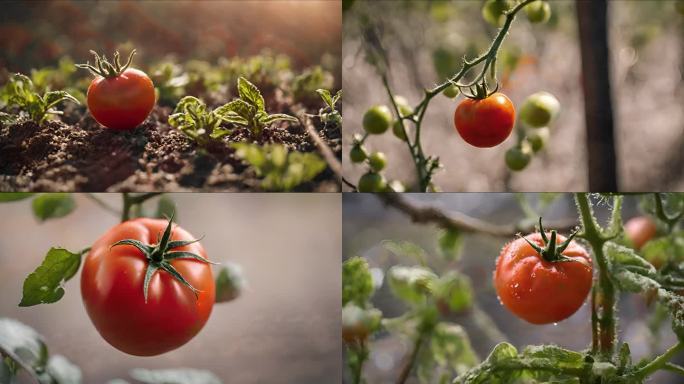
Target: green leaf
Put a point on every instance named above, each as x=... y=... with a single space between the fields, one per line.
x=449 y=244
x=250 y=93
x=230 y=282
x=455 y=289
x=357 y=282
x=186 y=102
x=53 y=205
x=63 y=371
x=449 y=353
x=411 y=284
x=44 y=285
x=166 y=208
x=23 y=344
x=14 y=196
x=406 y=249
x=236 y=111
x=277 y=117
x=53 y=97
x=327 y=98
x=175 y=376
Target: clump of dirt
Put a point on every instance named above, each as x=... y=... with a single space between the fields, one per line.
x=78 y=154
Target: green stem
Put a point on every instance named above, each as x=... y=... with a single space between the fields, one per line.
x=671 y=221
x=604 y=299
x=674 y=368
x=423 y=334
x=356 y=366
x=489 y=58
x=103 y=204
x=660 y=361
x=132 y=201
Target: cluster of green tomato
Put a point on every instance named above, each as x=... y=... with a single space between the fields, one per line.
x=376 y=121
x=537 y=113
x=494 y=11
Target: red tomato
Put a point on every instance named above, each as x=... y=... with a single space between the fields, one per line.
x=113 y=291
x=640 y=230
x=121 y=102
x=487 y=122
x=538 y=290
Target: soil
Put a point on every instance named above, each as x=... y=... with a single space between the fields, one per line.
x=78 y=154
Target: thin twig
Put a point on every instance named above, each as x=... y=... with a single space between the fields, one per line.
x=350 y=184
x=103 y=204
x=411 y=360
x=431 y=215
x=325 y=150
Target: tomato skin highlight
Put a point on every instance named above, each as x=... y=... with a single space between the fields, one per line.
x=121 y=102
x=487 y=122
x=112 y=291
x=539 y=291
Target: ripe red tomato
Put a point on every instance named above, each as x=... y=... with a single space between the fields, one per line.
x=112 y=286
x=538 y=290
x=640 y=230
x=121 y=102
x=487 y=122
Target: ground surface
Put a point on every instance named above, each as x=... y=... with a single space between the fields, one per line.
x=284 y=329
x=81 y=155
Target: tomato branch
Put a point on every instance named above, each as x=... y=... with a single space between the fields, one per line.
x=661 y=362
x=671 y=221
x=132 y=201
x=457 y=220
x=421 y=338
x=103 y=204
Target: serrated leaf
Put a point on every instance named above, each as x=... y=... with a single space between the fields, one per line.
x=175 y=376
x=186 y=102
x=53 y=97
x=357 y=282
x=236 y=108
x=52 y=205
x=45 y=284
x=14 y=196
x=23 y=344
x=60 y=369
x=250 y=93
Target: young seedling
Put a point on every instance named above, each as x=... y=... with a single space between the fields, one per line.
x=328 y=114
x=280 y=169
x=249 y=110
x=193 y=118
x=21 y=92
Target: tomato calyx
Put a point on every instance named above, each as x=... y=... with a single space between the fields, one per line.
x=479 y=92
x=159 y=256
x=104 y=68
x=551 y=251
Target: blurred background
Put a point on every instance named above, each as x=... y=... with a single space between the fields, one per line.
x=39 y=33
x=367 y=221
x=284 y=328
x=425 y=41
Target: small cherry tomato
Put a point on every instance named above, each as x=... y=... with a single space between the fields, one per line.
x=398 y=131
x=517 y=158
x=372 y=182
x=358 y=153
x=377 y=161
x=451 y=91
x=377 y=119
x=538 y=138
x=493 y=11
x=539 y=109
x=538 y=11
x=640 y=230
x=119 y=97
x=486 y=122
x=543 y=280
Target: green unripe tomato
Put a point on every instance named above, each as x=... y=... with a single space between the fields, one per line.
x=493 y=11
x=538 y=11
x=517 y=158
x=398 y=131
x=377 y=161
x=377 y=119
x=358 y=153
x=538 y=138
x=539 y=109
x=403 y=106
x=451 y=91
x=372 y=182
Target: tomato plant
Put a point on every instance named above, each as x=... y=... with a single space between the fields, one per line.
x=484 y=118
x=133 y=279
x=541 y=278
x=487 y=122
x=119 y=97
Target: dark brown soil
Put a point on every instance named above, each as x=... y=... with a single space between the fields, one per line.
x=77 y=154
